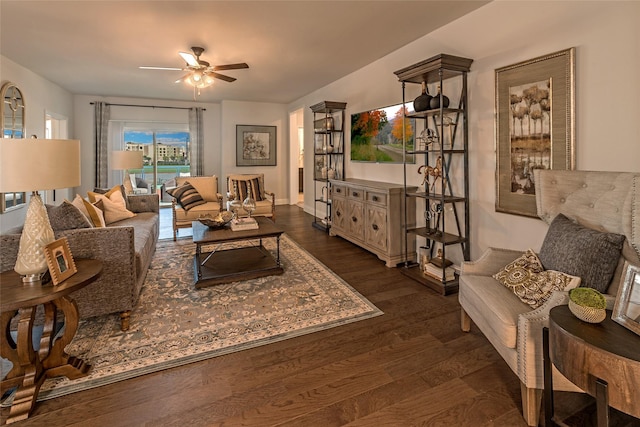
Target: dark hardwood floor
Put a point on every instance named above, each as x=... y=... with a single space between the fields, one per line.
x=410 y=367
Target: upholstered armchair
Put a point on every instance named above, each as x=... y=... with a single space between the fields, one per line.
x=608 y=202
x=237 y=187
x=209 y=203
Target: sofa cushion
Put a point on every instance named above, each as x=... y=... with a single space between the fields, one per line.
x=109 y=191
x=183 y=215
x=528 y=280
x=481 y=292
x=145 y=226
x=66 y=216
x=579 y=251
x=96 y=215
x=114 y=208
x=187 y=196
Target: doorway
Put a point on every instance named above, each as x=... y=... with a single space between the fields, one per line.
x=296 y=161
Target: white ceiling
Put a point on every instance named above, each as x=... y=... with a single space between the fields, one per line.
x=292 y=47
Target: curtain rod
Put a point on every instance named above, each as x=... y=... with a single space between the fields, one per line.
x=149 y=106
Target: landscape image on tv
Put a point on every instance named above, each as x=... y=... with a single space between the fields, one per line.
x=376 y=135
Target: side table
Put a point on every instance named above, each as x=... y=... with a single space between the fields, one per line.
x=603 y=359
x=31 y=367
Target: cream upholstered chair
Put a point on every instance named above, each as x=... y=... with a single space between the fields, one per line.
x=237 y=185
x=207 y=188
x=602 y=201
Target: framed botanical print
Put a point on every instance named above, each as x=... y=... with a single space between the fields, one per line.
x=256 y=145
x=535 y=126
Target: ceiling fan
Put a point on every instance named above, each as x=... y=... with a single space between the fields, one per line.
x=200 y=74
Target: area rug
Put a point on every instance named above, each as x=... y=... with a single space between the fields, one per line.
x=175 y=324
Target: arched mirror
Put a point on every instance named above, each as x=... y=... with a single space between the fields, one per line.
x=12 y=118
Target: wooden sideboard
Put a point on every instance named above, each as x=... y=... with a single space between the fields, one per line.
x=371 y=215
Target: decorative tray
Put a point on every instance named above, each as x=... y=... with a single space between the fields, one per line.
x=218 y=221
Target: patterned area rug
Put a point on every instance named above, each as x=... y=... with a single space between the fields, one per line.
x=175 y=324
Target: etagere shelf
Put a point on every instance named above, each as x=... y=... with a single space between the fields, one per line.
x=441 y=152
x=328 y=157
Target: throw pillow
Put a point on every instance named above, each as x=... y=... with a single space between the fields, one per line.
x=187 y=196
x=109 y=191
x=66 y=217
x=528 y=280
x=78 y=202
x=579 y=251
x=241 y=187
x=95 y=212
x=113 y=208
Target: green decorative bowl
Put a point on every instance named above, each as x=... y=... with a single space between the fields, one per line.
x=587 y=305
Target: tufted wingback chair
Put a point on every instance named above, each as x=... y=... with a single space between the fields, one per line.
x=605 y=201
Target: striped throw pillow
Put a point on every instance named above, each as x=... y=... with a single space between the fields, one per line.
x=187 y=196
x=256 y=189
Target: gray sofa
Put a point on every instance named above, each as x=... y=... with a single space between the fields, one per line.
x=125 y=248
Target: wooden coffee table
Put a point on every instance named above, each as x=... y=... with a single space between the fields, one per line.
x=229 y=265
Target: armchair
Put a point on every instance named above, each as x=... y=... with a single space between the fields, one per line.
x=265 y=200
x=604 y=201
x=207 y=187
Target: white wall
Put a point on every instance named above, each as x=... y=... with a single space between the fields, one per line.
x=607 y=41
x=40 y=96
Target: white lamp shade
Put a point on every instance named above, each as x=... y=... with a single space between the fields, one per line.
x=39 y=164
x=125 y=160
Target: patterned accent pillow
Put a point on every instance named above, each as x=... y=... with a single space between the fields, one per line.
x=240 y=186
x=573 y=249
x=187 y=196
x=527 y=278
x=66 y=217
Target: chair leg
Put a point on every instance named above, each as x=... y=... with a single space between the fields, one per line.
x=531 y=403
x=465 y=321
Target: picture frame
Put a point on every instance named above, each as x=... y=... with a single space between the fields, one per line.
x=535 y=126
x=256 y=145
x=60 y=261
x=626 y=310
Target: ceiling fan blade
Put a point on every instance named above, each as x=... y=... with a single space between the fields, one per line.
x=230 y=66
x=160 y=68
x=222 y=77
x=189 y=59
x=183 y=78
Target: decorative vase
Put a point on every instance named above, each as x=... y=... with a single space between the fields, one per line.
x=249 y=204
x=421 y=103
x=331 y=173
x=435 y=101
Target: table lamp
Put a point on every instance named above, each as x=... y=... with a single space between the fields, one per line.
x=126 y=160
x=32 y=165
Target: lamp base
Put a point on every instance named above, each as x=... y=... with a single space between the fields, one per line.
x=36 y=234
x=32 y=278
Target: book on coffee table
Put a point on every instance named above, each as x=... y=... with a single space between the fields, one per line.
x=241 y=224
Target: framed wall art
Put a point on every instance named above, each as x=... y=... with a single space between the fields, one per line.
x=60 y=261
x=256 y=145
x=535 y=126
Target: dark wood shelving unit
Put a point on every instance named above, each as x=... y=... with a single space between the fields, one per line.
x=448 y=224
x=328 y=157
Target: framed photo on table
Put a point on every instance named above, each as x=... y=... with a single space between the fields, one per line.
x=60 y=261
x=626 y=310
x=256 y=145
x=535 y=126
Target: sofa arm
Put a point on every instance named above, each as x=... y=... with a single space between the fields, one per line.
x=144 y=203
x=492 y=261
x=9 y=244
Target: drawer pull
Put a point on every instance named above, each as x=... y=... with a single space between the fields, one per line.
x=355 y=194
x=338 y=190
x=354 y=219
x=374 y=198
x=375 y=227
x=338 y=213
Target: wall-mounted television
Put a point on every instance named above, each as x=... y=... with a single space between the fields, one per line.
x=376 y=135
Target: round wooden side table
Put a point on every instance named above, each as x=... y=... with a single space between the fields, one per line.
x=603 y=359
x=31 y=367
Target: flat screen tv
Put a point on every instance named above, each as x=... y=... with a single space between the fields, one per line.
x=376 y=135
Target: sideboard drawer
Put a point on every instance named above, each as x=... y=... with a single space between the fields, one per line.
x=379 y=199
x=355 y=193
x=338 y=190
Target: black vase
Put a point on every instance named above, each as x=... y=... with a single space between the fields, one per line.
x=435 y=101
x=422 y=102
